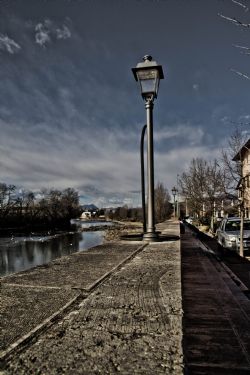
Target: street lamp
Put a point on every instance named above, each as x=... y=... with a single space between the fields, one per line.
x=148 y=73
x=177 y=198
x=174 y=192
x=241 y=188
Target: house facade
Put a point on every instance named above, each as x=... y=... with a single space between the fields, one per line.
x=243 y=156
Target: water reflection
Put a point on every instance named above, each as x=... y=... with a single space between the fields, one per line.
x=91 y=223
x=20 y=253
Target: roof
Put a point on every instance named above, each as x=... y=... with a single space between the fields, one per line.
x=233 y=218
x=242 y=151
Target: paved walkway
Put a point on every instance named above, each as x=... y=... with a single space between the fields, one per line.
x=128 y=322
x=216 y=324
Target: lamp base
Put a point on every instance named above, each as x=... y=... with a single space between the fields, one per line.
x=150 y=237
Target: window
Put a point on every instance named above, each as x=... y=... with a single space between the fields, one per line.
x=246 y=225
x=247 y=157
x=232 y=226
x=247 y=213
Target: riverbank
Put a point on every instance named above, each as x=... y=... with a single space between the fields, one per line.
x=20 y=252
x=115 y=229
x=123 y=228
x=35 y=228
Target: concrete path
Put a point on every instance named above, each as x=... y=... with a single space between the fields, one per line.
x=126 y=321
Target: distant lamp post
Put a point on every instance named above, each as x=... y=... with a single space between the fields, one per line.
x=177 y=197
x=174 y=192
x=241 y=199
x=148 y=73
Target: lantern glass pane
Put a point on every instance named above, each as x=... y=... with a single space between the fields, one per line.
x=147 y=86
x=147 y=74
x=149 y=81
x=157 y=86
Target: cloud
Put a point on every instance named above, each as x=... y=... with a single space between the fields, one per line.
x=44 y=155
x=42 y=35
x=109 y=199
x=225 y=119
x=99 y=162
x=47 y=31
x=63 y=33
x=9 y=45
x=53 y=141
x=244 y=117
x=175 y=162
x=193 y=135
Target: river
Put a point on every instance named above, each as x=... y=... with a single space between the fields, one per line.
x=18 y=253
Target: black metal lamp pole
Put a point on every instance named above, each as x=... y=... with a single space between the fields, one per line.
x=148 y=73
x=174 y=192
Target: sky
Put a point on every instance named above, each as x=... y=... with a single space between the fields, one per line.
x=71 y=112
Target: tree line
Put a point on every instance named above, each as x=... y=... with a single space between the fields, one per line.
x=53 y=209
x=163 y=208
x=210 y=186
x=23 y=209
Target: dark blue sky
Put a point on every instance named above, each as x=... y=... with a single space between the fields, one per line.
x=71 y=113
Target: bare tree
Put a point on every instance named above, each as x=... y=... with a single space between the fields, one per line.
x=243 y=25
x=7 y=199
x=162 y=204
x=202 y=184
x=233 y=169
x=59 y=205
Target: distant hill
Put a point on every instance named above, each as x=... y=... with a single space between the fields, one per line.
x=89 y=207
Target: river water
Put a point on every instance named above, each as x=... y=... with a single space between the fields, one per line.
x=18 y=253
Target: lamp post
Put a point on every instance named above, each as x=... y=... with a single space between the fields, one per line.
x=186 y=208
x=148 y=73
x=177 y=198
x=174 y=192
x=242 y=214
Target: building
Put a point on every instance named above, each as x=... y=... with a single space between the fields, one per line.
x=86 y=215
x=243 y=157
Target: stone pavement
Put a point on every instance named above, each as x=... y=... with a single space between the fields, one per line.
x=127 y=320
x=30 y=297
